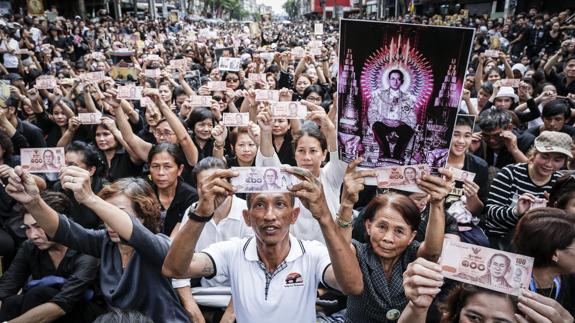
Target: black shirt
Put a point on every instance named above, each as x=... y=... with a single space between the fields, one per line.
x=504 y=157
x=185 y=196
x=79 y=270
x=286 y=153
x=33 y=134
x=122 y=166
x=536 y=131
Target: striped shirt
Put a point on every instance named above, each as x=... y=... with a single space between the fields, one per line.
x=510 y=183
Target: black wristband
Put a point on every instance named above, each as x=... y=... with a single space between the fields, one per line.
x=197 y=218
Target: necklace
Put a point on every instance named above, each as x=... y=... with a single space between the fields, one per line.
x=555 y=287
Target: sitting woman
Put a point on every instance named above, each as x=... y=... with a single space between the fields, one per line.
x=166 y=162
x=469 y=303
x=517 y=186
x=554 y=267
x=130 y=250
x=391 y=222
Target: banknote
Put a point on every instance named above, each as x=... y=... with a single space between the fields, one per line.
x=129 y=92
x=217 y=85
x=539 y=202
x=267 y=95
x=229 y=63
x=493 y=53
x=318 y=28
x=93 y=76
x=459 y=174
x=146 y=102
x=400 y=176
x=45 y=82
x=42 y=160
x=236 y=119
x=510 y=82
x=289 y=110
x=201 y=101
x=153 y=73
x=179 y=63
x=485 y=267
x=298 y=52
x=257 y=77
x=262 y=179
x=90 y=118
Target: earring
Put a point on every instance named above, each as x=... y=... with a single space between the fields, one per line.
x=555 y=259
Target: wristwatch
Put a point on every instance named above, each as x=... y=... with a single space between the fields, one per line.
x=193 y=216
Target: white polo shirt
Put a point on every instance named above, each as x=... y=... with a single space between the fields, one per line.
x=287 y=294
x=232 y=226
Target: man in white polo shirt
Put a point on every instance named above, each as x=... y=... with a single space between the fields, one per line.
x=273 y=275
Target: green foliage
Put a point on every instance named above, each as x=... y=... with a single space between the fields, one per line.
x=291 y=7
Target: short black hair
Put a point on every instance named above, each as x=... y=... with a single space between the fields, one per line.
x=556 y=107
x=396 y=71
x=250 y=196
x=490 y=119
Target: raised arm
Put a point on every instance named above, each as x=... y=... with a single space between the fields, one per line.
x=73 y=125
x=344 y=272
x=437 y=188
x=140 y=147
x=181 y=261
x=184 y=139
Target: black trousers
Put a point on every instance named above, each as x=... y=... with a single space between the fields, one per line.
x=403 y=131
x=17 y=305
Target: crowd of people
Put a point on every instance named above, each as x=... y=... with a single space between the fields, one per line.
x=143 y=211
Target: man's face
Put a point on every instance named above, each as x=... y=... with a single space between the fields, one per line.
x=270 y=177
x=498 y=267
x=395 y=81
x=36 y=234
x=570 y=68
x=469 y=82
x=554 y=123
x=493 y=138
x=270 y=216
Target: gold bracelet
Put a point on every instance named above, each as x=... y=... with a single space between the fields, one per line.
x=342 y=223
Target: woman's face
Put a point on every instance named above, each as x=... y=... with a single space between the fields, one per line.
x=280 y=127
x=493 y=77
x=389 y=234
x=312 y=74
x=59 y=117
x=203 y=129
x=105 y=139
x=302 y=83
x=125 y=204
x=164 y=133
x=165 y=93
x=232 y=81
x=487 y=307
x=314 y=98
x=461 y=140
x=550 y=88
x=164 y=170
x=152 y=116
x=245 y=149
x=566 y=258
x=271 y=82
x=545 y=164
x=215 y=74
x=309 y=154
x=74 y=158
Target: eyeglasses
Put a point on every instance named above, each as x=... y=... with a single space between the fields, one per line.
x=164 y=134
x=232 y=79
x=217 y=98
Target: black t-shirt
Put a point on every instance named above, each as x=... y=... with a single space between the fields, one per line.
x=286 y=153
x=536 y=131
x=185 y=196
x=566 y=295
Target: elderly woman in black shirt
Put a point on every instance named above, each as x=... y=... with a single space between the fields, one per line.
x=391 y=222
x=130 y=250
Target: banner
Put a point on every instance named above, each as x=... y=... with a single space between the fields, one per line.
x=399 y=90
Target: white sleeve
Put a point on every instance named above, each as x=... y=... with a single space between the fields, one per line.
x=273 y=161
x=320 y=257
x=221 y=253
x=179 y=283
x=334 y=170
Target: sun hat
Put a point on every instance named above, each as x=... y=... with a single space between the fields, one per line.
x=554 y=142
x=507 y=91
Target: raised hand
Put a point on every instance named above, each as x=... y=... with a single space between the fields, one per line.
x=309 y=191
x=21 y=186
x=77 y=180
x=216 y=185
x=437 y=187
x=353 y=183
x=422 y=281
x=540 y=309
x=264 y=117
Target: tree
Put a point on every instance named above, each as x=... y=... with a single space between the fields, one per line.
x=291 y=7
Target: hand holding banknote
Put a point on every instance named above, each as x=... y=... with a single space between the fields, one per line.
x=78 y=181
x=437 y=187
x=353 y=183
x=22 y=187
x=213 y=190
x=309 y=191
x=541 y=309
x=422 y=280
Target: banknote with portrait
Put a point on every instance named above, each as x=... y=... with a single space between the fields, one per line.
x=46 y=82
x=89 y=118
x=129 y=92
x=262 y=179
x=241 y=119
x=459 y=174
x=485 y=267
x=401 y=177
x=217 y=86
x=201 y=101
x=510 y=82
x=289 y=110
x=229 y=64
x=42 y=160
x=267 y=95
